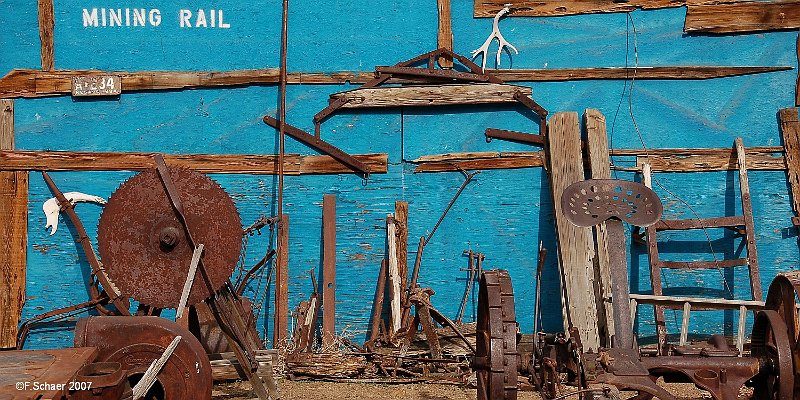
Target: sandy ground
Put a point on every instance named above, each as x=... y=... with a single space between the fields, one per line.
x=296 y=390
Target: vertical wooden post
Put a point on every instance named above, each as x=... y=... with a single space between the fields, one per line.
x=394 y=273
x=401 y=221
x=790 y=132
x=747 y=213
x=575 y=245
x=797 y=83
x=600 y=168
x=328 y=269
x=13 y=235
x=281 y=322
x=445 y=39
x=46 y=29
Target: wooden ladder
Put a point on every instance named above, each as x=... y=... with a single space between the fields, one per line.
x=743 y=224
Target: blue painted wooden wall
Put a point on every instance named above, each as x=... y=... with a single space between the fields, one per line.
x=502 y=213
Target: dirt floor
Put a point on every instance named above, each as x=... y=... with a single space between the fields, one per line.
x=296 y=390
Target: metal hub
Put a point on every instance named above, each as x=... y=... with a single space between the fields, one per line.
x=496 y=338
x=143 y=244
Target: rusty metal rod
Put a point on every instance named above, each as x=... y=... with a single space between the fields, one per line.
x=247 y=276
x=377 y=303
x=469 y=177
x=120 y=302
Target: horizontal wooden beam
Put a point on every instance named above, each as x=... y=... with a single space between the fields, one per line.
x=35 y=83
x=621 y=73
x=738 y=17
x=765 y=158
x=435 y=95
x=479 y=160
x=550 y=8
x=255 y=164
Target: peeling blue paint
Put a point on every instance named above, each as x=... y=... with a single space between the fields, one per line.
x=502 y=213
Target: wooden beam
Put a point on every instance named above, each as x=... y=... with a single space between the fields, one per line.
x=480 y=160
x=46 y=29
x=256 y=164
x=439 y=95
x=280 y=323
x=765 y=158
x=550 y=8
x=13 y=235
x=328 y=269
x=600 y=168
x=790 y=132
x=575 y=244
x=717 y=162
x=445 y=36
x=35 y=83
x=393 y=274
x=797 y=82
x=624 y=73
x=738 y=17
x=401 y=221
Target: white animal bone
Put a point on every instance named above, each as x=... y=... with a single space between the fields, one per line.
x=500 y=40
x=51 y=207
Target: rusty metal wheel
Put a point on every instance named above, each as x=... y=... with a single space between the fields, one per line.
x=496 y=338
x=782 y=297
x=770 y=343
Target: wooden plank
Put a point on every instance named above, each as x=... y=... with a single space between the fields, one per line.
x=790 y=132
x=445 y=35
x=737 y=17
x=13 y=235
x=698 y=223
x=733 y=262
x=256 y=164
x=575 y=244
x=225 y=366
x=549 y=8
x=695 y=163
x=328 y=269
x=600 y=168
x=35 y=83
x=401 y=221
x=377 y=303
x=765 y=158
x=46 y=28
x=328 y=165
x=439 y=95
x=480 y=160
x=687 y=310
x=626 y=73
x=747 y=211
x=698 y=302
x=393 y=274
x=281 y=319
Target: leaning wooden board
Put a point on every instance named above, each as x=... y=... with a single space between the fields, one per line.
x=575 y=244
x=24 y=372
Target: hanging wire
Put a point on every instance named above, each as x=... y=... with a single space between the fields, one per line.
x=632 y=25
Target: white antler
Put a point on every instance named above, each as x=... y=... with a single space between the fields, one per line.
x=500 y=39
x=51 y=207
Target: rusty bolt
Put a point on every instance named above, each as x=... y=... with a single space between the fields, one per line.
x=168 y=238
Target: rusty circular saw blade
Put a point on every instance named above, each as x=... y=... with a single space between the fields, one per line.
x=144 y=247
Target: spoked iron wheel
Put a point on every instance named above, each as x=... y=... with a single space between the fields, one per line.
x=783 y=297
x=496 y=338
x=770 y=344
